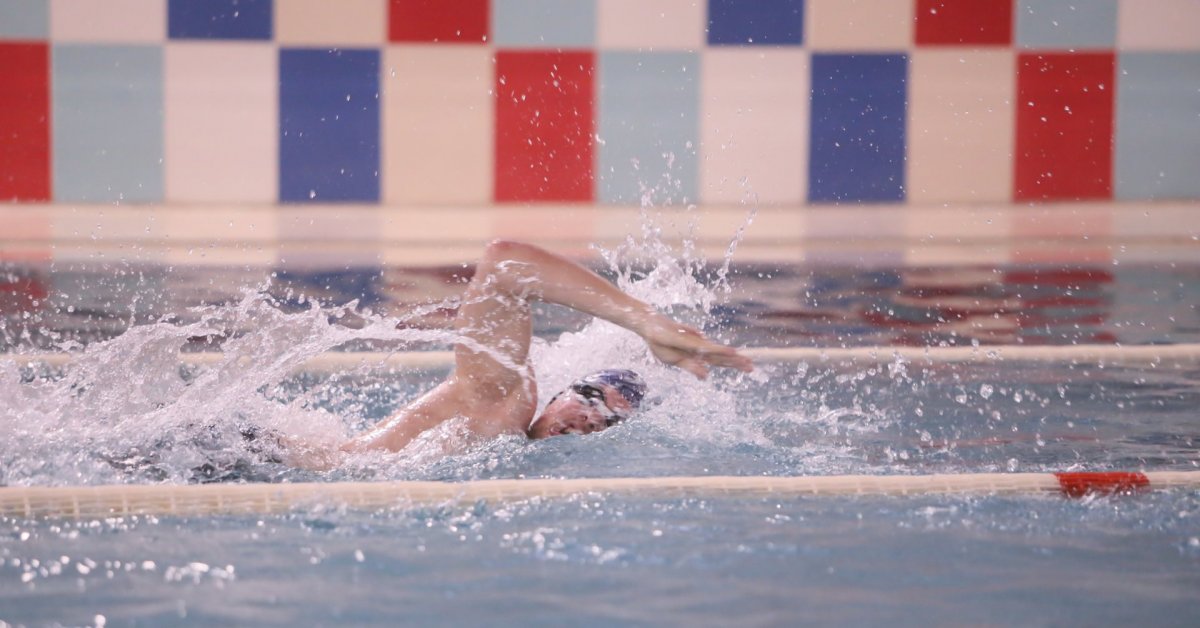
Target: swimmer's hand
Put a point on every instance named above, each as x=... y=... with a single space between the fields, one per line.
x=686 y=348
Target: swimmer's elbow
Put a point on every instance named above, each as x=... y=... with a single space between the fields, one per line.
x=499 y=251
x=509 y=265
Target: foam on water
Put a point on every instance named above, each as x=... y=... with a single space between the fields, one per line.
x=125 y=411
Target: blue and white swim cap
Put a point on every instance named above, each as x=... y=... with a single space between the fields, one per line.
x=629 y=383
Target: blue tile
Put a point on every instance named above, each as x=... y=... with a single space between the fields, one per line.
x=858 y=119
x=219 y=19
x=328 y=125
x=1066 y=24
x=756 y=22
x=294 y=288
x=544 y=23
x=108 y=123
x=24 y=19
x=1158 y=126
x=648 y=122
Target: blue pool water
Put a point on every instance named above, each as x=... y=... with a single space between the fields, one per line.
x=125 y=412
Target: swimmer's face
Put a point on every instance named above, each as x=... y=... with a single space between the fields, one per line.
x=572 y=414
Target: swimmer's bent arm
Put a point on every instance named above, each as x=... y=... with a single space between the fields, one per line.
x=525 y=271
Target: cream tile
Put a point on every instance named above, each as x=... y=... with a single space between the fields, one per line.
x=109 y=21
x=956 y=224
x=222 y=122
x=239 y=255
x=961 y=126
x=1058 y=253
x=424 y=224
x=1084 y=220
x=329 y=223
x=1168 y=221
x=1157 y=253
x=26 y=222
x=437 y=124
x=651 y=24
x=943 y=254
x=859 y=24
x=27 y=253
x=547 y=222
x=1158 y=25
x=430 y=254
x=753 y=118
x=849 y=222
x=103 y=224
x=320 y=22
x=222 y=225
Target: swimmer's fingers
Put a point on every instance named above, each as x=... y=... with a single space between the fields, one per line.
x=695 y=367
x=727 y=357
x=687 y=348
x=714 y=353
x=680 y=358
x=724 y=357
x=697 y=359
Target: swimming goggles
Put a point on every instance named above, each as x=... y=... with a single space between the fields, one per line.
x=593 y=396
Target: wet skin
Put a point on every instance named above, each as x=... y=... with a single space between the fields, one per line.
x=567 y=414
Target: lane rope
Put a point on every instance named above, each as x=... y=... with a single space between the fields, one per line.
x=96 y=502
x=1115 y=355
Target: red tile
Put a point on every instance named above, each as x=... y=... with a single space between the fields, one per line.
x=544 y=126
x=460 y=21
x=1064 y=147
x=25 y=122
x=964 y=22
x=21 y=292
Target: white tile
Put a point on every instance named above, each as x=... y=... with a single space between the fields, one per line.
x=651 y=24
x=437 y=124
x=1163 y=221
x=109 y=21
x=859 y=24
x=1083 y=221
x=222 y=122
x=433 y=224
x=1158 y=25
x=957 y=224
x=754 y=126
x=961 y=125
x=215 y=224
x=854 y=222
x=320 y=22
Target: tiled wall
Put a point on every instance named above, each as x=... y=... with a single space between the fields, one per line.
x=610 y=102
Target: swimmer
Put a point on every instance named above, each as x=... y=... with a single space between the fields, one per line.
x=492 y=387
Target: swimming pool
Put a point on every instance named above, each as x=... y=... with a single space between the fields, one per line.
x=125 y=411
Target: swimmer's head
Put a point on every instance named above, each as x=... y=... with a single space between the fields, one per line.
x=591 y=403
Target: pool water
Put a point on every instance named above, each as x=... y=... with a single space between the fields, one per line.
x=596 y=561
x=126 y=412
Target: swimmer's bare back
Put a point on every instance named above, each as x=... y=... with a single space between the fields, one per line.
x=492 y=389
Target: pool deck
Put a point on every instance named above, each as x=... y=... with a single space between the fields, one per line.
x=353 y=235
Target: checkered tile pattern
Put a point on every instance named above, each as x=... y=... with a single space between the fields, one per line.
x=609 y=102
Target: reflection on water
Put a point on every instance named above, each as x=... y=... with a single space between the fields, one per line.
x=963 y=305
x=43 y=306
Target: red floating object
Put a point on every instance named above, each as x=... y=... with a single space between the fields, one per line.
x=1081 y=484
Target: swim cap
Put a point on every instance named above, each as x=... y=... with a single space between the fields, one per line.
x=629 y=383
